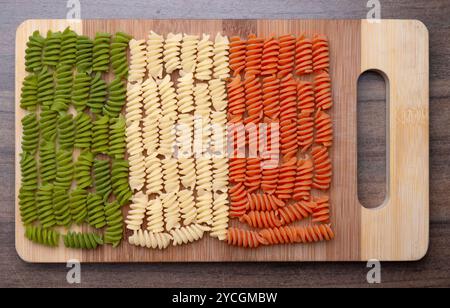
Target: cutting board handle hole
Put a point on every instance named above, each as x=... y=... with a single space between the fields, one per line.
x=372 y=130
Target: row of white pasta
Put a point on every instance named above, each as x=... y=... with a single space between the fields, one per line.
x=191 y=193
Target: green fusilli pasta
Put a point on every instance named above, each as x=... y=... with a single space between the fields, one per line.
x=102 y=178
x=28 y=97
x=117 y=138
x=64 y=170
x=66 y=131
x=33 y=53
x=30 y=135
x=46 y=89
x=78 y=205
x=27 y=206
x=100 y=136
x=47 y=160
x=114 y=228
x=101 y=52
x=63 y=88
x=83 y=131
x=82 y=240
x=119 y=179
x=52 y=49
x=119 y=59
x=48 y=123
x=29 y=171
x=61 y=207
x=84 y=54
x=27 y=192
x=97 y=94
x=80 y=91
x=68 y=47
x=96 y=211
x=83 y=169
x=116 y=98
x=42 y=236
x=44 y=202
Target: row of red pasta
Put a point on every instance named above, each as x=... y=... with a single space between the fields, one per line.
x=279 y=56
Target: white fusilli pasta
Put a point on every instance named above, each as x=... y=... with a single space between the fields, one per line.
x=187 y=173
x=155 y=47
x=189 y=53
x=167 y=138
x=204 y=59
x=136 y=214
x=170 y=175
x=219 y=134
x=221 y=57
x=220 y=216
x=150 y=240
x=204 y=174
x=187 y=206
x=136 y=158
x=172 y=49
x=218 y=92
x=202 y=127
x=185 y=93
x=134 y=103
x=220 y=175
x=154 y=173
x=155 y=216
x=204 y=207
x=172 y=216
x=152 y=114
x=188 y=234
x=168 y=97
x=138 y=60
x=185 y=135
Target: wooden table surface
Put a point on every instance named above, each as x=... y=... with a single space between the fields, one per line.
x=433 y=270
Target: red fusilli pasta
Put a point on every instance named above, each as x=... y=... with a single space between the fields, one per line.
x=286 y=60
x=303 y=180
x=237 y=55
x=271 y=97
x=322 y=89
x=258 y=219
x=237 y=168
x=305 y=131
x=304 y=56
x=296 y=212
x=239 y=201
x=324 y=128
x=244 y=238
x=253 y=55
x=322 y=168
x=306 y=99
x=253 y=175
x=264 y=202
x=271 y=52
x=253 y=98
x=322 y=210
x=286 y=182
x=321 y=53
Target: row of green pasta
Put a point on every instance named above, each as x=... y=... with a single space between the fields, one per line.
x=73 y=165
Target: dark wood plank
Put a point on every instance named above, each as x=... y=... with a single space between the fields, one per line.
x=434 y=270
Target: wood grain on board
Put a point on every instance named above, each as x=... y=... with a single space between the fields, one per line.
x=358 y=236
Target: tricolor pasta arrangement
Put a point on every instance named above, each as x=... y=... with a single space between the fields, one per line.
x=73 y=167
x=193 y=135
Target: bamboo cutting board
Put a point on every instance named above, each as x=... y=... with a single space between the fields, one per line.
x=397 y=231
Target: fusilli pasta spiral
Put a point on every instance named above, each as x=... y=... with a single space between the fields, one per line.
x=189 y=234
x=155 y=47
x=172 y=217
x=189 y=53
x=204 y=207
x=150 y=240
x=220 y=221
x=155 y=216
x=137 y=211
x=33 y=52
x=221 y=57
x=138 y=60
x=154 y=173
x=78 y=240
x=43 y=236
x=204 y=59
x=83 y=131
x=172 y=49
x=187 y=206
